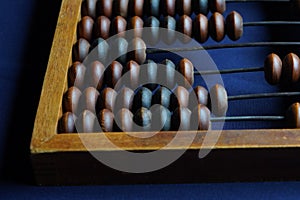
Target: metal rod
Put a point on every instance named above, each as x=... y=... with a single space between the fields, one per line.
x=267 y=23
x=227 y=71
x=263 y=95
x=247 y=118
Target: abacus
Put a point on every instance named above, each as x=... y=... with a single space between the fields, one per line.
x=79 y=92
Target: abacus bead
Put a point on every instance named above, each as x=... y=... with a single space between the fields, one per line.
x=81 y=50
x=101 y=48
x=169 y=7
x=168 y=73
x=133 y=68
x=169 y=35
x=102 y=27
x=86 y=122
x=124 y=120
x=76 y=74
x=202 y=114
x=219 y=102
x=137 y=49
x=179 y=98
x=119 y=25
x=186 y=27
x=104 y=7
x=149 y=74
x=67 y=123
x=119 y=53
x=186 y=68
x=201 y=95
x=234 y=25
x=124 y=99
x=136 y=7
x=181 y=119
x=106 y=120
x=85 y=28
x=89 y=99
x=293 y=116
x=108 y=99
x=162 y=97
x=217 y=6
x=200 y=6
x=96 y=74
x=184 y=7
x=161 y=119
x=71 y=99
x=152 y=33
x=152 y=7
x=142 y=98
x=89 y=8
x=114 y=73
x=137 y=24
x=121 y=7
x=291 y=68
x=143 y=118
x=273 y=69
x=201 y=28
x=217 y=27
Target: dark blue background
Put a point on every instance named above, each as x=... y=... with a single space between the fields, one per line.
x=26 y=33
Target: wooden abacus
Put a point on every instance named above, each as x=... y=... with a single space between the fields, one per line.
x=58 y=153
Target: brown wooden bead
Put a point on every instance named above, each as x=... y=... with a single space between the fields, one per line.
x=168 y=7
x=142 y=98
x=293 y=116
x=217 y=27
x=202 y=115
x=234 y=26
x=108 y=99
x=291 y=68
x=102 y=27
x=67 y=123
x=217 y=6
x=273 y=69
x=153 y=32
x=137 y=24
x=200 y=6
x=152 y=7
x=184 y=7
x=121 y=7
x=142 y=119
x=86 y=122
x=71 y=99
x=148 y=73
x=100 y=49
x=179 y=98
x=186 y=68
x=96 y=74
x=185 y=26
x=169 y=36
x=104 y=7
x=219 y=100
x=119 y=53
x=89 y=99
x=106 y=120
x=181 y=119
x=201 y=94
x=124 y=99
x=114 y=73
x=201 y=28
x=81 y=50
x=89 y=8
x=136 y=7
x=137 y=50
x=119 y=25
x=76 y=74
x=133 y=70
x=162 y=97
x=124 y=120
x=85 y=28
x=161 y=120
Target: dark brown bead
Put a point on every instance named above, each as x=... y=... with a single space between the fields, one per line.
x=169 y=36
x=142 y=119
x=168 y=7
x=137 y=24
x=217 y=27
x=137 y=50
x=76 y=74
x=273 y=68
x=142 y=98
x=89 y=8
x=217 y=6
x=124 y=99
x=234 y=26
x=200 y=6
x=89 y=99
x=104 y=7
x=85 y=28
x=201 y=28
x=153 y=32
x=201 y=95
x=124 y=120
x=202 y=114
x=185 y=26
x=291 y=68
x=162 y=97
x=119 y=25
x=179 y=98
x=106 y=120
x=86 y=122
x=293 y=116
x=181 y=119
x=100 y=50
x=67 y=123
x=108 y=99
x=219 y=100
x=152 y=7
x=114 y=73
x=121 y=7
x=167 y=73
x=148 y=74
x=184 y=7
x=161 y=120
x=71 y=99
x=81 y=50
x=186 y=68
x=119 y=53
x=96 y=74
x=133 y=70
x=136 y=7
x=102 y=27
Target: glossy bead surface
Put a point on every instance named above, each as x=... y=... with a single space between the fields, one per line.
x=219 y=100
x=106 y=120
x=121 y=7
x=100 y=49
x=293 y=116
x=81 y=50
x=107 y=99
x=89 y=99
x=169 y=35
x=234 y=26
x=184 y=7
x=71 y=99
x=142 y=119
x=86 y=122
x=185 y=26
x=124 y=99
x=95 y=74
x=201 y=28
x=152 y=33
x=179 y=98
x=201 y=94
x=67 y=123
x=200 y=6
x=119 y=53
x=273 y=69
x=162 y=97
x=113 y=73
x=137 y=48
x=181 y=119
x=149 y=74
x=136 y=7
x=217 y=6
x=104 y=7
x=85 y=28
x=102 y=27
x=167 y=73
x=88 y=8
x=133 y=77
x=186 y=68
x=142 y=98
x=202 y=115
x=152 y=7
x=291 y=68
x=137 y=24
x=76 y=74
x=161 y=120
x=168 y=7
x=124 y=120
x=119 y=25
x=217 y=27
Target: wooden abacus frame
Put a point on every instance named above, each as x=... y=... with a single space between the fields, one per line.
x=63 y=159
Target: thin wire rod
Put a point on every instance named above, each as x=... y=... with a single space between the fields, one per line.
x=265 y=23
x=228 y=71
x=232 y=1
x=247 y=118
x=263 y=95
